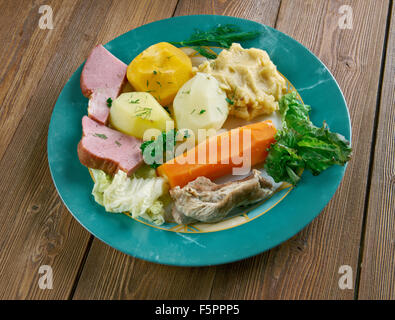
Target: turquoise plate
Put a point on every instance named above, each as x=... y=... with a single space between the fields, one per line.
x=306 y=72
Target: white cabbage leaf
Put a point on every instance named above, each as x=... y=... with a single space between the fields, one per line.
x=138 y=196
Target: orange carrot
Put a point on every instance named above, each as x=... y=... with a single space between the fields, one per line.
x=231 y=150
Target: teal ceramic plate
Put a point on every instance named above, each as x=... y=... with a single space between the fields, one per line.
x=284 y=215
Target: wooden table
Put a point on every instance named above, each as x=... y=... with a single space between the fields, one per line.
x=356 y=229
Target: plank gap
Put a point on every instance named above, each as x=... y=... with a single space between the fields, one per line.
x=278 y=13
x=89 y=245
x=175 y=8
x=81 y=267
x=372 y=150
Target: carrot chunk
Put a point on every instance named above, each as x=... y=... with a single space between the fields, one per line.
x=217 y=156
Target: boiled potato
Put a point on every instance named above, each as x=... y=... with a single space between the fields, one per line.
x=200 y=104
x=135 y=112
x=160 y=70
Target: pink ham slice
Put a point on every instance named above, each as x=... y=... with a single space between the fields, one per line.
x=106 y=149
x=102 y=77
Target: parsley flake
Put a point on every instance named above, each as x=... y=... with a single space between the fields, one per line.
x=186 y=134
x=100 y=135
x=163 y=143
x=231 y=102
x=143 y=112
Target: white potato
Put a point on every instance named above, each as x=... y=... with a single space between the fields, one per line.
x=200 y=104
x=135 y=112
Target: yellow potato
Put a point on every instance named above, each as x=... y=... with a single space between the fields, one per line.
x=160 y=70
x=135 y=112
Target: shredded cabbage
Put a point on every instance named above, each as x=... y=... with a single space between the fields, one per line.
x=102 y=182
x=139 y=196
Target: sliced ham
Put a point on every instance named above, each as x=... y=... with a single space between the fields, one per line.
x=102 y=77
x=106 y=149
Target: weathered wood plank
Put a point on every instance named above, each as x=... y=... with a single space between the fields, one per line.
x=36 y=228
x=307 y=266
x=263 y=11
x=25 y=54
x=378 y=263
x=109 y=274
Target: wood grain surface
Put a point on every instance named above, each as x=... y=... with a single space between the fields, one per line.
x=142 y=276
x=378 y=262
x=36 y=228
x=357 y=225
x=354 y=57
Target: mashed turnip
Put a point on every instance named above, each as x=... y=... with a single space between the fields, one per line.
x=250 y=79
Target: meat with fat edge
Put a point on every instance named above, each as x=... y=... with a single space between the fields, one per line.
x=206 y=201
x=102 y=78
x=109 y=150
